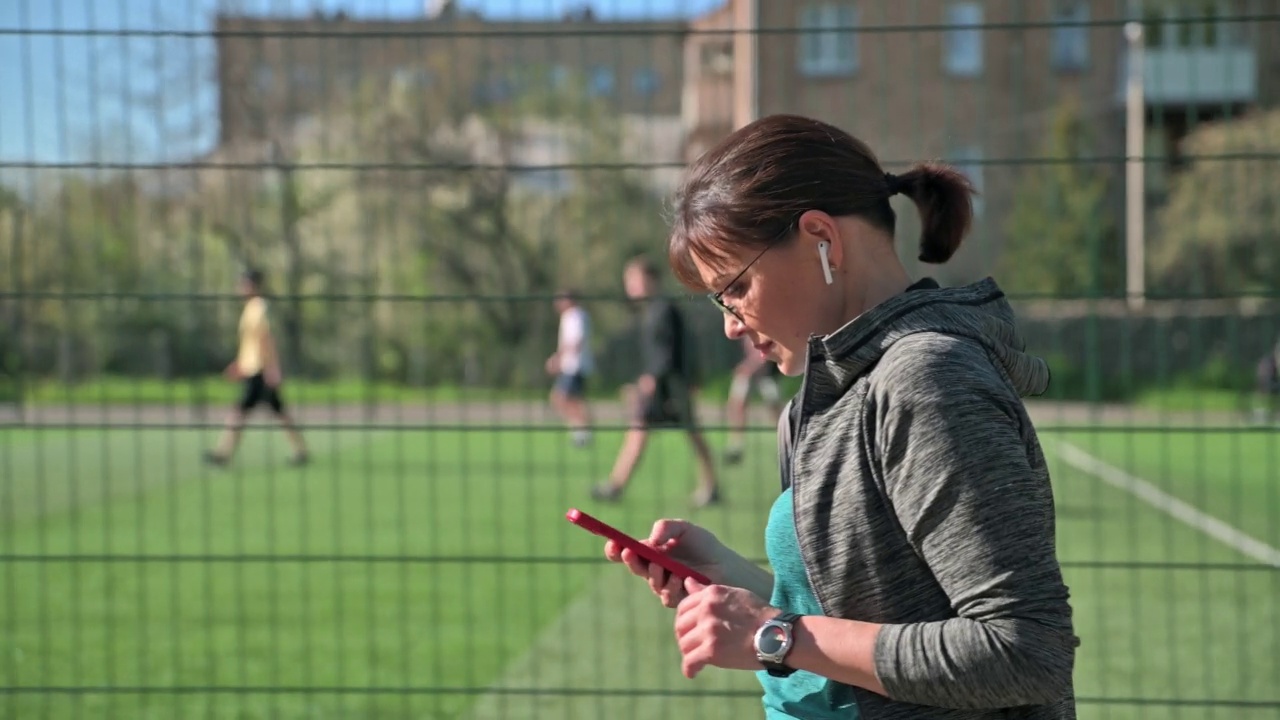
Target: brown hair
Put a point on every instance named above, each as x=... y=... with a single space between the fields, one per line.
x=253 y=276
x=750 y=190
x=645 y=265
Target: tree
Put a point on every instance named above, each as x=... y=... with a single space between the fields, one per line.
x=13 y=226
x=1062 y=232
x=449 y=200
x=1220 y=231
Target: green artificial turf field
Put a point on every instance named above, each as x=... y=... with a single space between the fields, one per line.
x=430 y=574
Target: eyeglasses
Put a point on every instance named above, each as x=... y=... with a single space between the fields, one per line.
x=718 y=297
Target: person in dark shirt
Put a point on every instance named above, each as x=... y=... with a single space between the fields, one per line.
x=663 y=395
x=1266 y=385
x=753 y=370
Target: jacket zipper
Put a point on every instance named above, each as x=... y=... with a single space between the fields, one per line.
x=796 y=435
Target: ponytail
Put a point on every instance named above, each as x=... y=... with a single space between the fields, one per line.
x=944 y=199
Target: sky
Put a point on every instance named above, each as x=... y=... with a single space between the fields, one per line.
x=71 y=97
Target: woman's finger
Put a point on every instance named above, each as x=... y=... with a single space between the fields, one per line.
x=687 y=614
x=675 y=589
x=664 y=531
x=687 y=617
x=636 y=564
x=693 y=661
x=657 y=578
x=612 y=551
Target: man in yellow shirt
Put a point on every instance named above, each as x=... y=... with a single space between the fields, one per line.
x=257 y=366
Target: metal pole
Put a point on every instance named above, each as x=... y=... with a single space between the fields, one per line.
x=755 y=60
x=1135 y=168
x=746 y=64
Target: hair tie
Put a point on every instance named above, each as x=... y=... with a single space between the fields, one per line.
x=895 y=183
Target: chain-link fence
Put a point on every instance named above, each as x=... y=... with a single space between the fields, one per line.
x=418 y=183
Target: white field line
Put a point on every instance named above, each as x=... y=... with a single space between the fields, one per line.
x=1170 y=505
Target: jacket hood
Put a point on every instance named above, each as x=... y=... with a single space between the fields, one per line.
x=979 y=311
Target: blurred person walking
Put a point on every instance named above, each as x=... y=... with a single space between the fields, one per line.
x=571 y=364
x=257 y=368
x=663 y=396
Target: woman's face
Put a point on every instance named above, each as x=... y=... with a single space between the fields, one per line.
x=782 y=298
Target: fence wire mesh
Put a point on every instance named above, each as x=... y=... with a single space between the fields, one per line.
x=417 y=184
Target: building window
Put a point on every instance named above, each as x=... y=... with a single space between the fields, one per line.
x=304 y=79
x=645 y=82
x=717 y=58
x=962 y=48
x=545 y=153
x=968 y=159
x=601 y=81
x=408 y=78
x=558 y=76
x=496 y=86
x=1191 y=24
x=828 y=44
x=1069 y=43
x=263 y=79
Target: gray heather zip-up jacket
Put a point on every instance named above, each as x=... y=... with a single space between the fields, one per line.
x=922 y=502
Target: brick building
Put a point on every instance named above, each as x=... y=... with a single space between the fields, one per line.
x=915 y=82
x=273 y=72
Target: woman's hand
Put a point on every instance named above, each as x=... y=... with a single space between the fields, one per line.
x=716 y=625
x=692 y=545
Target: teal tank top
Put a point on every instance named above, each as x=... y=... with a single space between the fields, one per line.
x=803 y=695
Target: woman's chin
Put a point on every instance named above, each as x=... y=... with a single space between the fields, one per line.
x=790 y=366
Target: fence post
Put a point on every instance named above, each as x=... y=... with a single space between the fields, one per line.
x=199 y=310
x=1135 y=169
x=16 y=265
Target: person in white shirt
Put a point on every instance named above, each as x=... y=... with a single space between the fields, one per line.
x=571 y=363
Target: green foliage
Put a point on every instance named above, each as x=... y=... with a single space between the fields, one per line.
x=1220 y=232
x=456 y=213
x=89 y=254
x=1063 y=238
x=404 y=236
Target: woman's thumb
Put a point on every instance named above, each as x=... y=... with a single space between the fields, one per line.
x=692 y=586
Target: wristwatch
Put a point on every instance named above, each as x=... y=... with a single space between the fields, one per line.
x=773 y=641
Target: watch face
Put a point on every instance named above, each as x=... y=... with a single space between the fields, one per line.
x=771 y=641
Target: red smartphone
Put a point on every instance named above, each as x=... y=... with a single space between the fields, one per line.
x=665 y=561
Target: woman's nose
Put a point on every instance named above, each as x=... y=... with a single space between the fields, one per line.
x=733 y=327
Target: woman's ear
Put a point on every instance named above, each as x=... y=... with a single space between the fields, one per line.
x=816 y=226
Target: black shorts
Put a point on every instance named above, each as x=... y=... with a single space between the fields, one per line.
x=671 y=405
x=256 y=392
x=571 y=384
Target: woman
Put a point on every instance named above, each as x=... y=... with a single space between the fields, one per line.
x=912 y=547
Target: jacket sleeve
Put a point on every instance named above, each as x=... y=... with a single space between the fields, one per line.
x=966 y=479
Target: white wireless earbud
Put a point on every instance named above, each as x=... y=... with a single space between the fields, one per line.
x=826 y=265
